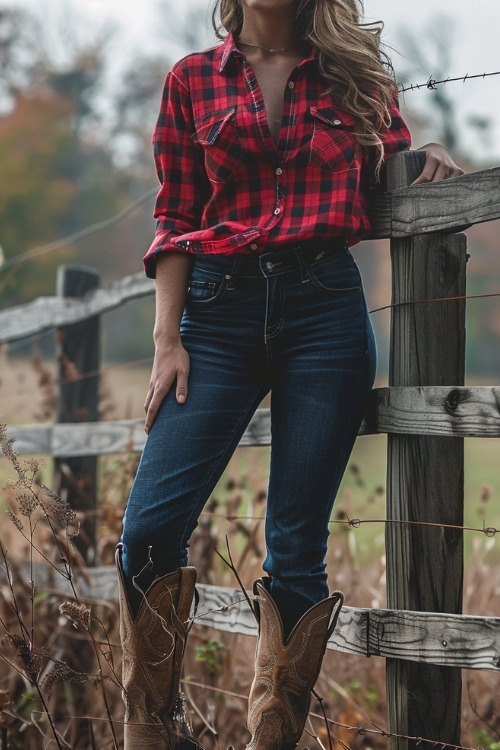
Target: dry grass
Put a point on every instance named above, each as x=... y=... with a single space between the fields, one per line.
x=60 y=678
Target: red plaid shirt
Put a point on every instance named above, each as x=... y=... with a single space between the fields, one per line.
x=226 y=187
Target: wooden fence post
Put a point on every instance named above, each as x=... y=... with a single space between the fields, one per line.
x=78 y=364
x=425 y=474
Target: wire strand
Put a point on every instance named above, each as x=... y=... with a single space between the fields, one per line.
x=458 y=298
x=99 y=226
x=432 y=84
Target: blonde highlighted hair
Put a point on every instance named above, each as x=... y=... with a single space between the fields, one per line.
x=357 y=72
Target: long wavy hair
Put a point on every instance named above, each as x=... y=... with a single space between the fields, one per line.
x=356 y=70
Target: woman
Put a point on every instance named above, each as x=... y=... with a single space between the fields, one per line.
x=267 y=148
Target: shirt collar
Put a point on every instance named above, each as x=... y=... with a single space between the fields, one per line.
x=228 y=49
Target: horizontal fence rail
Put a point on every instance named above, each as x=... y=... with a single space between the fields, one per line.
x=426 y=208
x=464 y=641
x=46 y=313
x=431 y=410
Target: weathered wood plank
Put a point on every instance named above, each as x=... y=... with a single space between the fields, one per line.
x=432 y=638
x=46 y=313
x=454 y=640
x=445 y=206
x=432 y=410
x=107 y=438
x=425 y=473
x=435 y=410
x=32 y=440
x=76 y=439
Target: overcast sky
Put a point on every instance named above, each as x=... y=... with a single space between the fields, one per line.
x=472 y=26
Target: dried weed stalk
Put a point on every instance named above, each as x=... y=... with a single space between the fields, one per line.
x=45 y=634
x=36 y=639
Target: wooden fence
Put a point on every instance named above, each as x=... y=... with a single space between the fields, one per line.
x=426 y=411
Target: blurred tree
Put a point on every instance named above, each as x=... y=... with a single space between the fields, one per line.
x=135 y=106
x=20 y=54
x=36 y=189
x=56 y=174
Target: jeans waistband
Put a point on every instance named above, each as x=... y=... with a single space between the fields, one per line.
x=296 y=256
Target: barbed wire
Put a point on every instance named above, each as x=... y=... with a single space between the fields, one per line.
x=353 y=523
x=432 y=83
x=358 y=729
x=458 y=298
x=356 y=523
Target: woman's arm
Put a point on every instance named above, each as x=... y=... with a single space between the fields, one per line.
x=180 y=167
x=171 y=361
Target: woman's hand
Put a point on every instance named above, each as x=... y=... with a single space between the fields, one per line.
x=171 y=360
x=438 y=165
x=170 y=365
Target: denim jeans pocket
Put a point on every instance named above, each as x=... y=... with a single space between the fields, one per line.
x=337 y=274
x=204 y=289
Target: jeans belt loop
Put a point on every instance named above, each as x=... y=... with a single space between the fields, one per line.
x=304 y=276
x=231 y=281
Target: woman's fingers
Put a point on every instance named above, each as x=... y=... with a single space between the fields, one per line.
x=439 y=165
x=175 y=369
x=156 y=394
x=181 y=390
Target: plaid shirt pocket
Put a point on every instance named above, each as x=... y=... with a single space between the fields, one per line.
x=217 y=134
x=333 y=144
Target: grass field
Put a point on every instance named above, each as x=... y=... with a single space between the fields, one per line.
x=219 y=666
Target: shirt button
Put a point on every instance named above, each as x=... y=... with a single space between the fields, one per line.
x=253 y=246
x=337 y=122
x=291 y=85
x=278 y=171
x=277 y=211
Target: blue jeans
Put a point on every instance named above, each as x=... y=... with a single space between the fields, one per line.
x=293 y=322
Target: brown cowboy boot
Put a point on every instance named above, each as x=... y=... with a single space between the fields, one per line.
x=285 y=672
x=153 y=644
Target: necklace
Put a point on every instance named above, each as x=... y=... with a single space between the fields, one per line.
x=259 y=46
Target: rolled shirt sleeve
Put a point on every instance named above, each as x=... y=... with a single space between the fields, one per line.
x=179 y=165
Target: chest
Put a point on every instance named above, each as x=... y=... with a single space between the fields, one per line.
x=258 y=115
x=272 y=81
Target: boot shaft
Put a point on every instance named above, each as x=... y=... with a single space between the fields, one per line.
x=286 y=671
x=153 y=644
